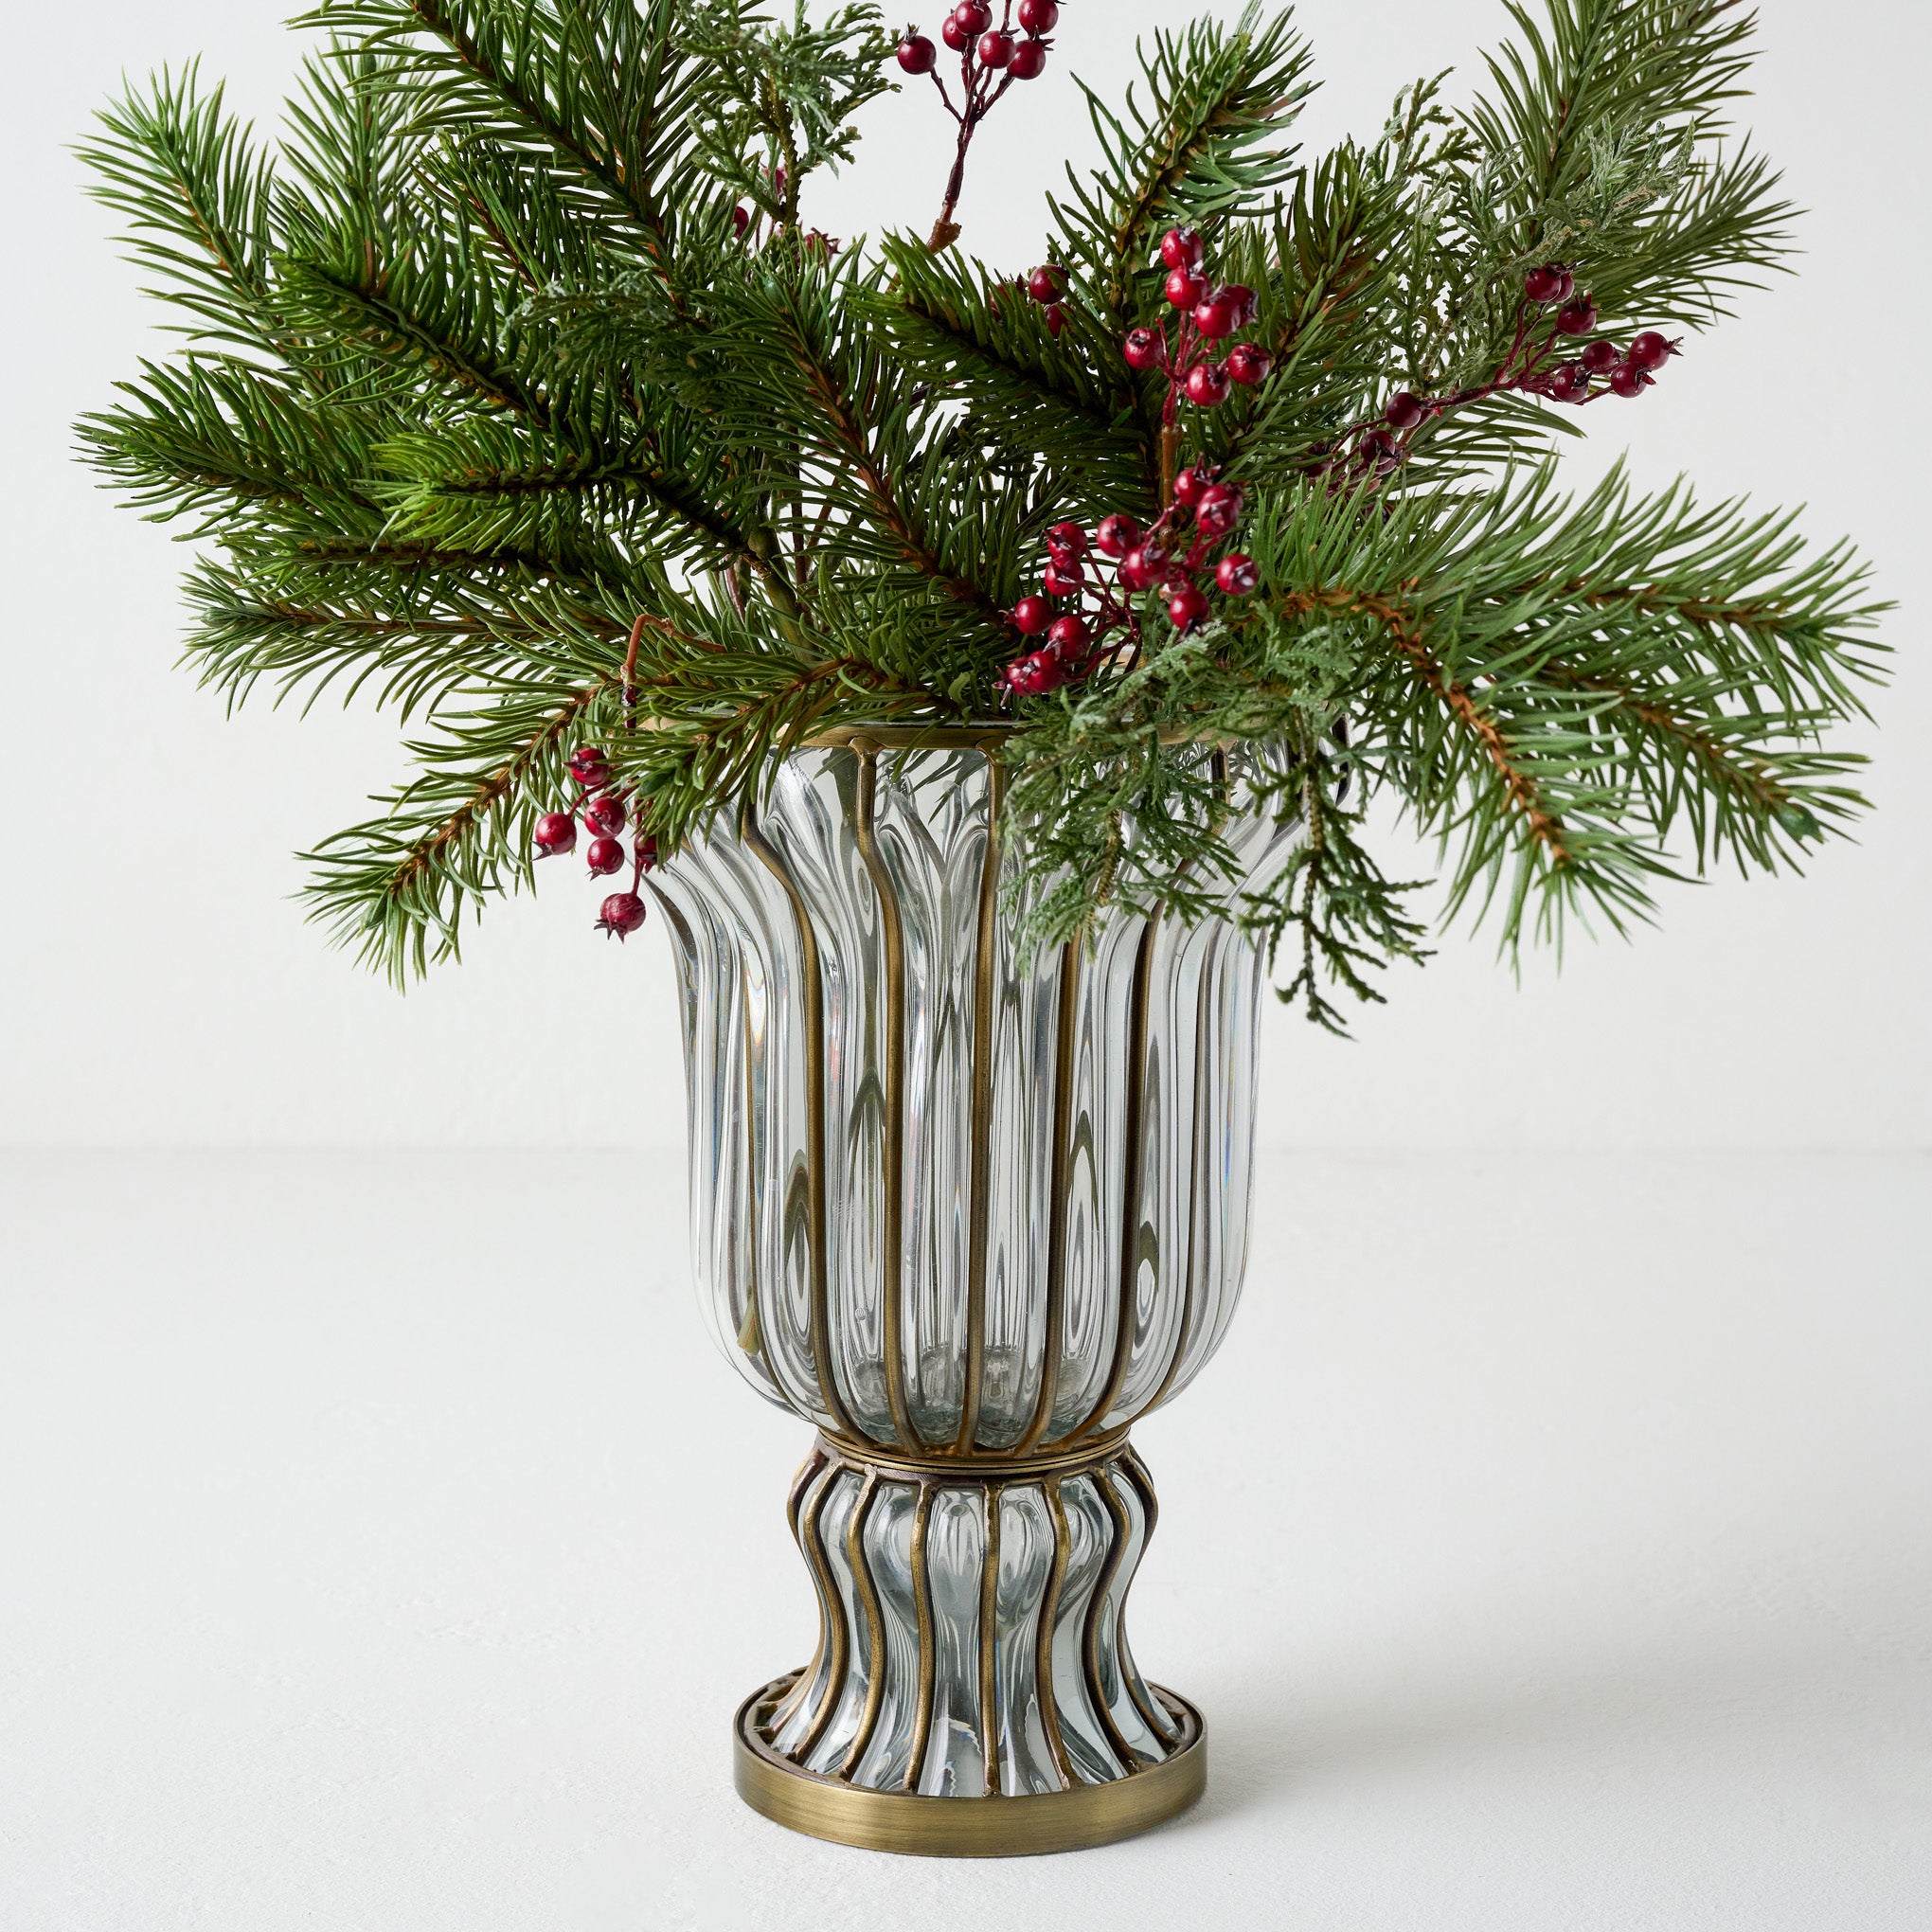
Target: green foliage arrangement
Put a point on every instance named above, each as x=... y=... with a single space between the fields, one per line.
x=517 y=393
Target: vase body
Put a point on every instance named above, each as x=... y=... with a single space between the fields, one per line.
x=970 y=1211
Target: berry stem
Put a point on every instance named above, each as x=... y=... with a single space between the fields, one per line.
x=631 y=674
x=979 y=97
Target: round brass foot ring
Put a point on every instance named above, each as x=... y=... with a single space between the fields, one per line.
x=966 y=1827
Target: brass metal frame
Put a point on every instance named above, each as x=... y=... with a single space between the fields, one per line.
x=963 y=1826
x=1166 y=1771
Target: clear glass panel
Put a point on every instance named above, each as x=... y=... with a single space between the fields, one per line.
x=1159 y=1043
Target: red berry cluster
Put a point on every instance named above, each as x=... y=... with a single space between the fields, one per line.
x=1535 y=366
x=606 y=813
x=970 y=34
x=1210 y=313
x=1076 y=607
x=990 y=60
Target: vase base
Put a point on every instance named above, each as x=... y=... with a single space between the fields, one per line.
x=966 y=1827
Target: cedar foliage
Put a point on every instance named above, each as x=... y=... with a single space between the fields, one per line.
x=480 y=383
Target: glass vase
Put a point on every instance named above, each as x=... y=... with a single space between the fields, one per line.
x=971 y=1207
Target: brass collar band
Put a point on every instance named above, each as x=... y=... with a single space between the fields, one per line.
x=957 y=1471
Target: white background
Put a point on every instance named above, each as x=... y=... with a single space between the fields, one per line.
x=1548 y=1552
x=161 y=987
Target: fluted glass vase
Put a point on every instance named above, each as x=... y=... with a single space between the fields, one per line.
x=971 y=1209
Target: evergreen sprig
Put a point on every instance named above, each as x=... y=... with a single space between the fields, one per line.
x=517 y=394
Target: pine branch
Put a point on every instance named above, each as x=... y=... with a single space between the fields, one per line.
x=1206 y=150
x=605 y=94
x=505 y=413
x=397 y=889
x=195 y=194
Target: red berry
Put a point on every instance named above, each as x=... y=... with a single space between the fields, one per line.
x=555 y=834
x=1207 y=385
x=647 y=853
x=1056 y=319
x=605 y=856
x=1186 y=288
x=1047 y=285
x=1064 y=579
x=1140 y=568
x=589 y=766
x=1650 y=351
x=1579 y=316
x=1236 y=574
x=1068 y=537
x=1034 y=674
x=622 y=913
x=1032 y=615
x=1599 y=356
x=1219 y=510
x=1214 y=317
x=1550 y=283
x=916 y=54
x=974 y=15
x=1141 y=349
x=1404 y=411
x=741 y=218
x=605 y=815
x=1039 y=16
x=1376 y=448
x=1067 y=639
x=995 y=50
x=1029 y=61
x=1569 y=384
x=1188 y=485
x=1627 y=380
x=1117 y=535
x=1186 y=607
x=1240 y=299
x=954 y=36
x=1183 y=248
x=1248 y=364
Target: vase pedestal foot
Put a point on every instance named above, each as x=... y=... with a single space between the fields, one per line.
x=973 y=1693
x=981 y=1827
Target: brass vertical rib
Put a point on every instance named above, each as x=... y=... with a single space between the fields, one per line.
x=1060 y=1180
x=1090 y=1641
x=1133 y=1177
x=823 y=1367
x=1151 y=1715
x=1043 y=1640
x=989 y=1620
x=833 y=1631
x=928 y=1662
x=892 y=1239
x=868 y=1592
x=808 y=1472
x=980 y=1205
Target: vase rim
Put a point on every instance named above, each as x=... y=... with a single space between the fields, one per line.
x=975 y=735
